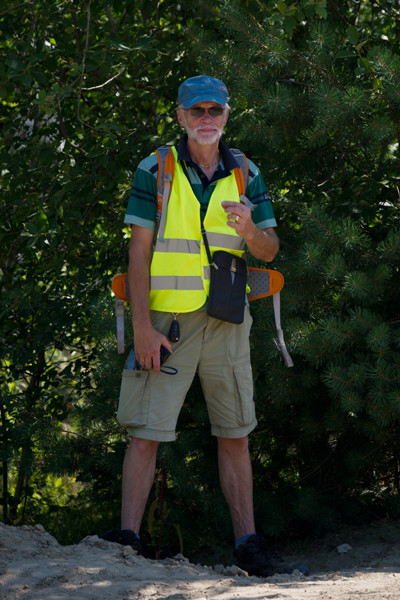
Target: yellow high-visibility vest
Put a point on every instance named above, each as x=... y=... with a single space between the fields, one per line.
x=180 y=272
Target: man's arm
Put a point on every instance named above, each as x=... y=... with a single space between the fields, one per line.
x=147 y=339
x=262 y=243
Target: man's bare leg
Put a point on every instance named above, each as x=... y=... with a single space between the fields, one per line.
x=137 y=480
x=236 y=478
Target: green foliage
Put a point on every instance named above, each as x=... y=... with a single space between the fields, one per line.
x=332 y=421
x=86 y=89
x=321 y=119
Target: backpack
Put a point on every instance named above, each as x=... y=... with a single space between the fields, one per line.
x=262 y=282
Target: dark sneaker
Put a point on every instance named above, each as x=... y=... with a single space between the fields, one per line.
x=126 y=537
x=257 y=559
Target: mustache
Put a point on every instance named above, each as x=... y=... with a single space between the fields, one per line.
x=211 y=128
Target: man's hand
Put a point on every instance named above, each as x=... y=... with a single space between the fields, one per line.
x=262 y=243
x=148 y=342
x=239 y=218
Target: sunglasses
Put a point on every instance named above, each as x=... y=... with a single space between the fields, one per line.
x=198 y=111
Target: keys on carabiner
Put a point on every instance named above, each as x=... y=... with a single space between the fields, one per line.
x=174 y=331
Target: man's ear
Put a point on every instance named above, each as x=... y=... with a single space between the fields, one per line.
x=181 y=118
x=226 y=115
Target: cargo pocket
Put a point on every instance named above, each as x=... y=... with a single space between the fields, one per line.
x=245 y=407
x=134 y=399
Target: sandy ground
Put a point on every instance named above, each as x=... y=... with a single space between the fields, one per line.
x=33 y=566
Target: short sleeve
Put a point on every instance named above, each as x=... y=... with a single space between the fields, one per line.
x=142 y=204
x=263 y=215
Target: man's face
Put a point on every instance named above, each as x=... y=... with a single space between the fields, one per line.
x=205 y=129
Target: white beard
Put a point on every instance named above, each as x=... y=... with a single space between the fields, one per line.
x=203 y=138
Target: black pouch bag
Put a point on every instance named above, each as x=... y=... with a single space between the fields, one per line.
x=228 y=277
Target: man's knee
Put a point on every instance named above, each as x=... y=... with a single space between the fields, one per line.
x=142 y=446
x=234 y=444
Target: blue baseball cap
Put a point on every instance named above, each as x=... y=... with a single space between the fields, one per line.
x=201 y=89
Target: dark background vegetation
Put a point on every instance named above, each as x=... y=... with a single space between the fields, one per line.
x=87 y=90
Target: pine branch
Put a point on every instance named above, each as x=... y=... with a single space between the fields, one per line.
x=114 y=24
x=242 y=72
x=84 y=59
x=98 y=87
x=338 y=13
x=15 y=7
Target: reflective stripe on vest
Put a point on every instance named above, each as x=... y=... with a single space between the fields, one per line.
x=173 y=245
x=227 y=242
x=169 y=282
x=179 y=274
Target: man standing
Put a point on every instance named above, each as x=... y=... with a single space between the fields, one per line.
x=171 y=282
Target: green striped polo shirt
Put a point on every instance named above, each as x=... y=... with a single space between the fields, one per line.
x=142 y=205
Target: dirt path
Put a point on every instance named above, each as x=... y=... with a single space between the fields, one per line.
x=33 y=566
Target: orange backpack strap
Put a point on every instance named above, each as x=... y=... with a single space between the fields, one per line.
x=240 y=181
x=242 y=176
x=165 y=177
x=241 y=172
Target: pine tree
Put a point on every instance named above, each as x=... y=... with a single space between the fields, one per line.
x=315 y=103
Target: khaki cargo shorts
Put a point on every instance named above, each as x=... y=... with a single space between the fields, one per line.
x=150 y=402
